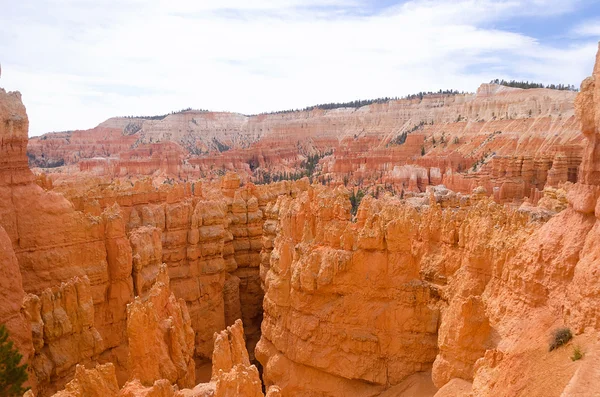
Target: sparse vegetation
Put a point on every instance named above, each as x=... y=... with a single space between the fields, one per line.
x=221 y=147
x=355 y=199
x=577 y=353
x=560 y=337
x=253 y=163
x=12 y=375
x=309 y=168
x=310 y=163
x=131 y=128
x=400 y=139
x=43 y=162
x=266 y=177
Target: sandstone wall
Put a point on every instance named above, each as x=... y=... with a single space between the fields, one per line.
x=363 y=305
x=552 y=282
x=63 y=331
x=11 y=295
x=53 y=243
x=81 y=261
x=161 y=341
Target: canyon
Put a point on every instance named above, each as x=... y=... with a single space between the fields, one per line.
x=417 y=247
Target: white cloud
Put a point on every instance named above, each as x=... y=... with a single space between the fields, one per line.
x=589 y=28
x=78 y=62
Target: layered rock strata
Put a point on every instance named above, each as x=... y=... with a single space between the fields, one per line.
x=510 y=139
x=53 y=243
x=232 y=373
x=363 y=305
x=160 y=336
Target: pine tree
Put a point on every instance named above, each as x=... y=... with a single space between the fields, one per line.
x=12 y=375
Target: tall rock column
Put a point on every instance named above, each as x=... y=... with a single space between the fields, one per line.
x=161 y=339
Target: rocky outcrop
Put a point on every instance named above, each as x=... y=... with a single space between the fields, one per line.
x=231 y=370
x=482 y=287
x=232 y=373
x=53 y=244
x=245 y=226
x=11 y=295
x=161 y=339
x=552 y=282
x=98 y=382
x=63 y=331
x=209 y=235
x=347 y=303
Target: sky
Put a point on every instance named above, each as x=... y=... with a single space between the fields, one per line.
x=80 y=62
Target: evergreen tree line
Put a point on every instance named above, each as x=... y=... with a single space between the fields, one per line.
x=362 y=102
x=528 y=85
x=421 y=95
x=162 y=116
x=266 y=177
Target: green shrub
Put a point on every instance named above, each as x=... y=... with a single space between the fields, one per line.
x=577 y=354
x=560 y=337
x=12 y=375
x=355 y=199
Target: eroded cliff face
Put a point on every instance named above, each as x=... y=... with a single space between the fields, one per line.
x=160 y=336
x=512 y=140
x=161 y=347
x=53 y=244
x=82 y=260
x=209 y=235
x=553 y=281
x=363 y=305
x=11 y=296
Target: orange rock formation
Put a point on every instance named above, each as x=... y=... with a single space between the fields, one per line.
x=516 y=141
x=160 y=352
x=358 y=306
x=119 y=284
